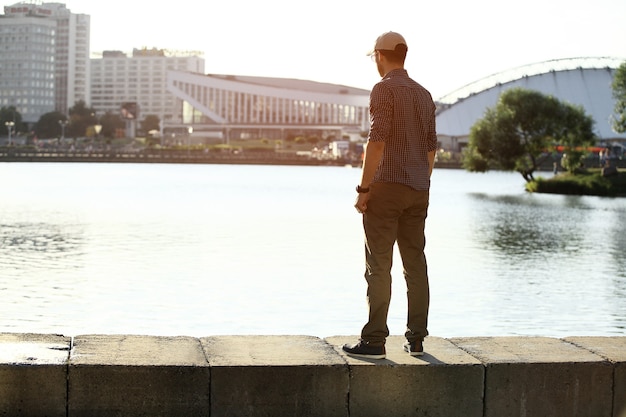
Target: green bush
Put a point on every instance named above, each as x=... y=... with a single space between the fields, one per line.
x=580 y=183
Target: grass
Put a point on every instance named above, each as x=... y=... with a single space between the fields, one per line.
x=587 y=182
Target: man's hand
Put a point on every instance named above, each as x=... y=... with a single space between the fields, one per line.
x=373 y=155
x=361 y=202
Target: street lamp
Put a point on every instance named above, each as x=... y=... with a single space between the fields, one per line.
x=63 y=123
x=97 y=129
x=190 y=131
x=9 y=126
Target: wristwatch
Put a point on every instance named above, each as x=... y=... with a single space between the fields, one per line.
x=362 y=190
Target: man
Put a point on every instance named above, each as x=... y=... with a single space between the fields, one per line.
x=393 y=197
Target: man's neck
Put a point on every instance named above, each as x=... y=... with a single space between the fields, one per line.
x=391 y=68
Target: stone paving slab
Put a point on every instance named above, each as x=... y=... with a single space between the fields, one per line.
x=127 y=375
x=34 y=349
x=276 y=375
x=33 y=374
x=610 y=348
x=445 y=382
x=540 y=376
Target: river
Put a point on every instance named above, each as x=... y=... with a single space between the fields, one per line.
x=199 y=250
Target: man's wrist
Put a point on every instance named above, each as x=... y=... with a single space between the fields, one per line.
x=362 y=190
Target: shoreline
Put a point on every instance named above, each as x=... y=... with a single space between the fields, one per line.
x=181 y=157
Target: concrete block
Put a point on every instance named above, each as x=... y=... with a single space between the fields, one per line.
x=33 y=374
x=117 y=375
x=445 y=382
x=540 y=376
x=612 y=349
x=275 y=375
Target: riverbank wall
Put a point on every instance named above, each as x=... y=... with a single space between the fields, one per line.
x=8 y=154
x=134 y=375
x=179 y=157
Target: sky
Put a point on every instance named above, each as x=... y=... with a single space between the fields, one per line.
x=451 y=43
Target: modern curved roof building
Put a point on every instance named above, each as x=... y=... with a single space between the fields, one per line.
x=264 y=107
x=580 y=81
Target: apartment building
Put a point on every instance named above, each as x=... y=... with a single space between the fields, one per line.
x=141 y=78
x=72 y=57
x=45 y=58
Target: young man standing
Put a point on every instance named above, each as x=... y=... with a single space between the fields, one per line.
x=393 y=197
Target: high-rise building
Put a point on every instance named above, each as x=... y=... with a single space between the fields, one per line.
x=72 y=57
x=45 y=58
x=27 y=47
x=140 y=79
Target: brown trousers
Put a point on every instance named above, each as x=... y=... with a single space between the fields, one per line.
x=395 y=213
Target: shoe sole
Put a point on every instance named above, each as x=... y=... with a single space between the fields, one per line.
x=408 y=350
x=366 y=356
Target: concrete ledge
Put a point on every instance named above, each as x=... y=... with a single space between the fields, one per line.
x=614 y=350
x=276 y=376
x=137 y=376
x=538 y=376
x=33 y=374
x=117 y=375
x=446 y=381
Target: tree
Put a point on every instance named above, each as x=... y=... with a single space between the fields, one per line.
x=576 y=136
x=10 y=114
x=110 y=123
x=81 y=117
x=48 y=125
x=518 y=133
x=619 y=94
x=150 y=122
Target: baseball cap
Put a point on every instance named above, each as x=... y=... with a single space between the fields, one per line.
x=388 y=41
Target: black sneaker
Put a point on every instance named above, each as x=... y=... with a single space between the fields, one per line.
x=414 y=348
x=364 y=350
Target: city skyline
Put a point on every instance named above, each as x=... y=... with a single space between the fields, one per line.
x=451 y=44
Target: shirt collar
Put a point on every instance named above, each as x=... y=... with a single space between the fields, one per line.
x=397 y=72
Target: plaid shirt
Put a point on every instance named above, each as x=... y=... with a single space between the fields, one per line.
x=402 y=114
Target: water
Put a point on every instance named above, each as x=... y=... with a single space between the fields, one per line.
x=205 y=250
